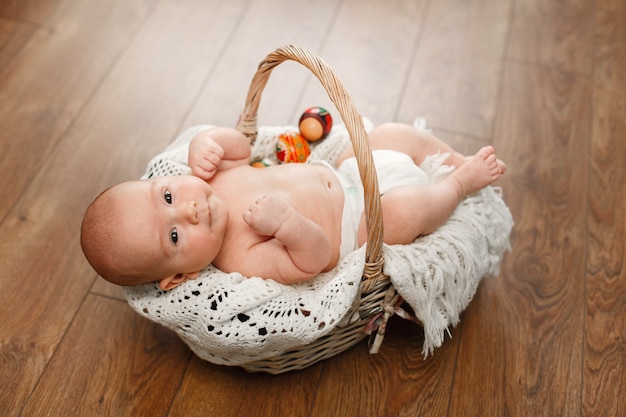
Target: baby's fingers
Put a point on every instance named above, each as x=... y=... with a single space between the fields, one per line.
x=206 y=166
x=261 y=218
x=204 y=173
x=204 y=170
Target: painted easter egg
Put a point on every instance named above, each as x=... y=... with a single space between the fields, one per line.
x=292 y=147
x=315 y=123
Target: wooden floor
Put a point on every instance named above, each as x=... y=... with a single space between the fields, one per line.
x=91 y=89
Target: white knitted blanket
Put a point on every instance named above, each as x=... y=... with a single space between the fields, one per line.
x=232 y=320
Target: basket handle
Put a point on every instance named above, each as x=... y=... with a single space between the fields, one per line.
x=247 y=124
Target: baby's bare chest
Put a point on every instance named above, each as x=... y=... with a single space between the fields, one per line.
x=312 y=190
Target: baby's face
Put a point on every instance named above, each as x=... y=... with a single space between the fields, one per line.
x=176 y=224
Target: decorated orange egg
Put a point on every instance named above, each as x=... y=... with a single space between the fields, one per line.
x=292 y=147
x=315 y=123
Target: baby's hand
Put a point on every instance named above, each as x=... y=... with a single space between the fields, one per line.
x=267 y=215
x=204 y=156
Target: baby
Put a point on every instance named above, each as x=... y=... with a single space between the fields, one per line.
x=286 y=222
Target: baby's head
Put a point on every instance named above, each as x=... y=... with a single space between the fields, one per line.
x=164 y=229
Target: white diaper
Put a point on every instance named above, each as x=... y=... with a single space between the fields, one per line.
x=393 y=169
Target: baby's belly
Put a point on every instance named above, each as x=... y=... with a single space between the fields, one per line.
x=308 y=183
x=335 y=196
x=325 y=185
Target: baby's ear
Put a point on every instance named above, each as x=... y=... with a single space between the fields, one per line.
x=175 y=280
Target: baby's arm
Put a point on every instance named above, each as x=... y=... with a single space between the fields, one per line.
x=306 y=243
x=217 y=149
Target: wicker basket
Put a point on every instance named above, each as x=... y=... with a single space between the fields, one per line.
x=377 y=297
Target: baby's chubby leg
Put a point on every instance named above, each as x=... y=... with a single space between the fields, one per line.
x=412 y=211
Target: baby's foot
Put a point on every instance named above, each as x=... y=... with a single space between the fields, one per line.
x=456 y=159
x=478 y=171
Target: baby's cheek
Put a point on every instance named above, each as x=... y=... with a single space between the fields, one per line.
x=202 y=243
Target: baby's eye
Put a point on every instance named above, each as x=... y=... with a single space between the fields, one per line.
x=168 y=197
x=174 y=235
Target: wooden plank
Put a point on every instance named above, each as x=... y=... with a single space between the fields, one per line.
x=42 y=94
x=554 y=33
x=481 y=378
x=266 y=26
x=33 y=11
x=610 y=50
x=605 y=350
x=212 y=390
x=369 y=47
x=104 y=288
x=464 y=144
x=616 y=5
x=605 y=324
x=397 y=381
x=136 y=111
x=528 y=331
x=456 y=69
x=13 y=36
x=119 y=363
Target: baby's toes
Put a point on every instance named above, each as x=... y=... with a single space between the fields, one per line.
x=485 y=152
x=502 y=166
x=491 y=160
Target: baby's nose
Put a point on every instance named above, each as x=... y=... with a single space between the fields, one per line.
x=190 y=212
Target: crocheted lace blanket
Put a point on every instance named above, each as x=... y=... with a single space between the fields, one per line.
x=233 y=320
